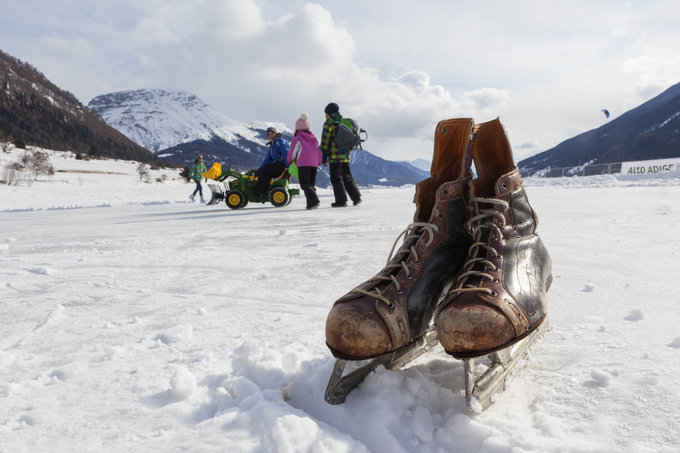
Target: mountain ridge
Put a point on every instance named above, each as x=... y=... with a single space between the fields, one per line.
x=649 y=131
x=160 y=119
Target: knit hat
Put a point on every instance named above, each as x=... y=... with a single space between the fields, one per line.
x=271 y=129
x=331 y=108
x=302 y=123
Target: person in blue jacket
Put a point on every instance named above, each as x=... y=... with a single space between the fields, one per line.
x=274 y=163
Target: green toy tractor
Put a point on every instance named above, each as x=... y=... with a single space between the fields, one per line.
x=239 y=188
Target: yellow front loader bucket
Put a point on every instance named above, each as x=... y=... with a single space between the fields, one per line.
x=214 y=172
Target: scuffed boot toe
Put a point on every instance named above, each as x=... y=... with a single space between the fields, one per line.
x=355 y=331
x=473 y=330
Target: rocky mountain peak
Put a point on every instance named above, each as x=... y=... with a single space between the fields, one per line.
x=158 y=119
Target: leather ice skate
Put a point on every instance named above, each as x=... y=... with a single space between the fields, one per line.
x=500 y=296
x=388 y=317
x=497 y=307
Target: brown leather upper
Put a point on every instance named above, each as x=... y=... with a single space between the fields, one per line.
x=361 y=325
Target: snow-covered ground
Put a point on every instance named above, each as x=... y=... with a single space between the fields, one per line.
x=133 y=320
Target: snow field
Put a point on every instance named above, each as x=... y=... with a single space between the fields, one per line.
x=155 y=324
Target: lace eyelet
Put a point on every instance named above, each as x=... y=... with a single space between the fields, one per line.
x=416 y=261
x=439 y=214
x=494 y=294
x=390 y=305
x=409 y=276
x=497 y=239
x=504 y=186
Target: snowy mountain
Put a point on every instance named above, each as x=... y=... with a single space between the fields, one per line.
x=178 y=126
x=160 y=119
x=366 y=165
x=421 y=164
x=649 y=131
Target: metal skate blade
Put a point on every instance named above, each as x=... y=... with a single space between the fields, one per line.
x=481 y=392
x=340 y=386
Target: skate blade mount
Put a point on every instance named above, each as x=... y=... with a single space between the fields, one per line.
x=216 y=194
x=339 y=387
x=481 y=392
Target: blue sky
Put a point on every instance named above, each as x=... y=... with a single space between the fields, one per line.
x=546 y=68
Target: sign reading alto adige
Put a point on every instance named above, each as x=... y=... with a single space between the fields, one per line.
x=650 y=167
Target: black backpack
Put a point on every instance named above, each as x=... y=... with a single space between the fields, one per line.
x=348 y=136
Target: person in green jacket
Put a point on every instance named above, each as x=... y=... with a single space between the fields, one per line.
x=341 y=177
x=195 y=173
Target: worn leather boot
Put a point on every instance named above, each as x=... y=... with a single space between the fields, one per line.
x=500 y=295
x=395 y=307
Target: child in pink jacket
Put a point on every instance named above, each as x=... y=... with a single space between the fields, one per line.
x=305 y=151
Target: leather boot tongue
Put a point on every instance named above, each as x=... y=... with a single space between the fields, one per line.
x=482 y=188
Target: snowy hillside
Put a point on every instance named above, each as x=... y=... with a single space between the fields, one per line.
x=646 y=132
x=79 y=183
x=421 y=164
x=159 y=119
x=134 y=320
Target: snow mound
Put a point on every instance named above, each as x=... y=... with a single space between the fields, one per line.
x=599 y=378
x=182 y=384
x=175 y=334
x=635 y=315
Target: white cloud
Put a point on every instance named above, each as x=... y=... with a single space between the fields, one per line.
x=306 y=47
x=298 y=62
x=398 y=67
x=164 y=27
x=486 y=99
x=174 y=22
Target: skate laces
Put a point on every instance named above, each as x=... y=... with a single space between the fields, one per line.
x=485 y=225
x=411 y=234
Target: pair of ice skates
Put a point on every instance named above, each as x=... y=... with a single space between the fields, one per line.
x=471 y=274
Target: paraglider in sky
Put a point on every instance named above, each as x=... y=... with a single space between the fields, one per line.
x=606 y=112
